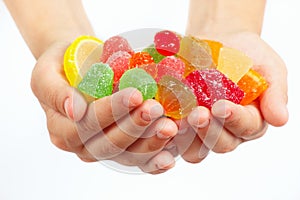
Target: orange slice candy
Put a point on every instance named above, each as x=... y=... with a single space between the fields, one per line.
x=80 y=55
x=253 y=85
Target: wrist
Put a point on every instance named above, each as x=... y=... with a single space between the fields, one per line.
x=217 y=18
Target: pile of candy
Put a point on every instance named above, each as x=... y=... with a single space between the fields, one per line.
x=180 y=72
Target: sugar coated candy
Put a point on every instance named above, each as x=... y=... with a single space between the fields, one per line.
x=114 y=44
x=157 y=57
x=150 y=69
x=83 y=51
x=119 y=62
x=196 y=52
x=167 y=43
x=139 y=59
x=233 y=63
x=176 y=98
x=141 y=80
x=98 y=81
x=210 y=85
x=215 y=47
x=170 y=66
x=253 y=84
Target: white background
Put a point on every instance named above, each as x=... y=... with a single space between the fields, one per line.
x=31 y=168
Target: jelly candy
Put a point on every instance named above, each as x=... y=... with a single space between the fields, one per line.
x=141 y=80
x=176 y=98
x=215 y=49
x=119 y=62
x=139 y=59
x=157 y=57
x=196 y=52
x=84 y=51
x=253 y=84
x=210 y=85
x=233 y=63
x=199 y=86
x=170 y=66
x=98 y=81
x=167 y=43
x=150 y=69
x=114 y=44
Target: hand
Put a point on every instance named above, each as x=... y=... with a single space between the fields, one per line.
x=228 y=125
x=120 y=127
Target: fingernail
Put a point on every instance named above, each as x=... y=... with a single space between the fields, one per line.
x=132 y=98
x=162 y=136
x=154 y=113
x=79 y=106
x=182 y=131
x=170 y=146
x=68 y=109
x=220 y=110
x=165 y=162
x=203 y=124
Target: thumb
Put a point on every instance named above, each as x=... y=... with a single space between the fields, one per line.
x=273 y=102
x=49 y=85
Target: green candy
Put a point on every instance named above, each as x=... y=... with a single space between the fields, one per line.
x=98 y=81
x=141 y=80
x=157 y=57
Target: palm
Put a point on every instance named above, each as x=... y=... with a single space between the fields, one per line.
x=271 y=66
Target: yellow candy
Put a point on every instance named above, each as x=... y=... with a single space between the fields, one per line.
x=233 y=63
x=80 y=55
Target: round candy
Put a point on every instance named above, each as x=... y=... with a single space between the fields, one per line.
x=157 y=57
x=176 y=98
x=119 y=62
x=139 y=59
x=170 y=66
x=98 y=81
x=114 y=44
x=141 y=80
x=167 y=43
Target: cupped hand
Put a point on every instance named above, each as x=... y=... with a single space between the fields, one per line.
x=227 y=125
x=121 y=127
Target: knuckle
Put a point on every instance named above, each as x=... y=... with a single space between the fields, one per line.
x=59 y=143
x=234 y=122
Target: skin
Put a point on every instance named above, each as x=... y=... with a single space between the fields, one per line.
x=135 y=134
x=227 y=125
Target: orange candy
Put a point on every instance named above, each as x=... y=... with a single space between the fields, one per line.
x=176 y=98
x=139 y=59
x=215 y=49
x=253 y=84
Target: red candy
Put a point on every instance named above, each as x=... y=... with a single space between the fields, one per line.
x=139 y=59
x=115 y=44
x=210 y=85
x=119 y=62
x=170 y=66
x=167 y=43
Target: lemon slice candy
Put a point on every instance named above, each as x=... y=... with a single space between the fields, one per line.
x=80 y=55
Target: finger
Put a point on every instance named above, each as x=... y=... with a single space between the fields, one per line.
x=273 y=102
x=49 y=85
x=117 y=138
x=106 y=111
x=160 y=132
x=161 y=163
x=245 y=122
x=142 y=150
x=212 y=133
x=196 y=152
